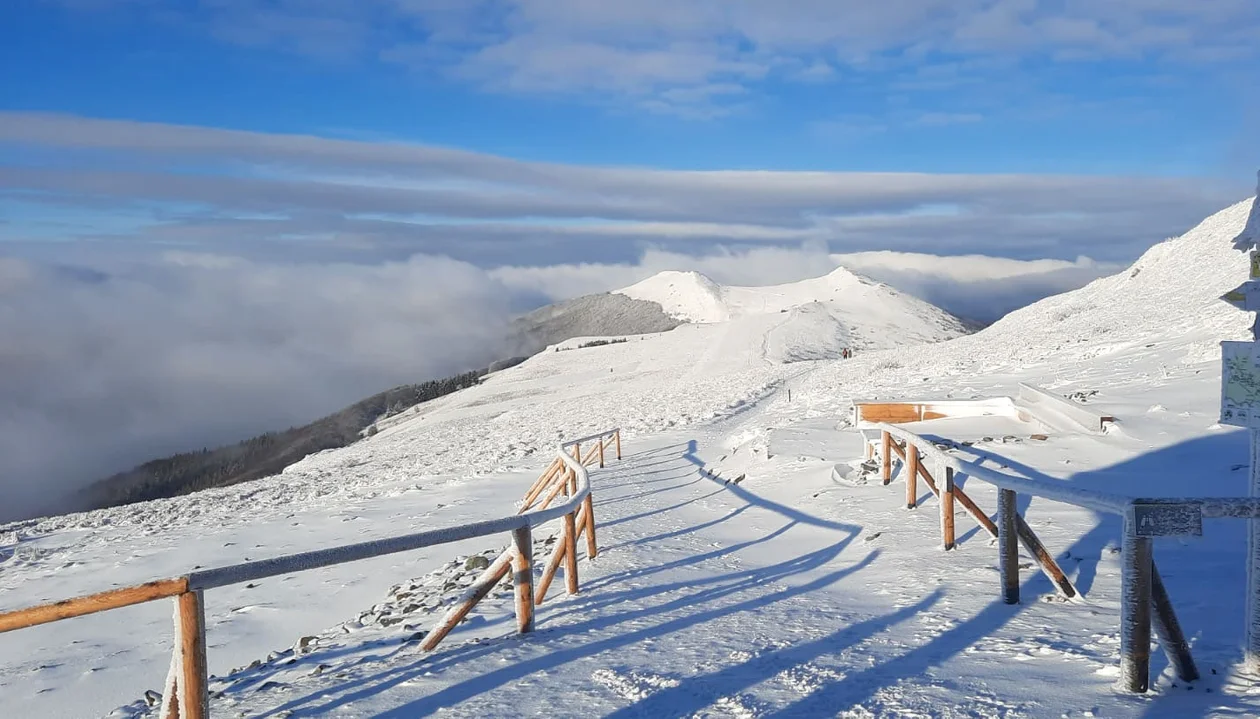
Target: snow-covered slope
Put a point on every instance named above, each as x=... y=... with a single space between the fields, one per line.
x=784 y=594
x=872 y=314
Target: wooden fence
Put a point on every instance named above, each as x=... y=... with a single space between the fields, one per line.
x=1142 y=590
x=186 y=695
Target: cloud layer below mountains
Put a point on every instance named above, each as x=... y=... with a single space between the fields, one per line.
x=106 y=367
x=166 y=287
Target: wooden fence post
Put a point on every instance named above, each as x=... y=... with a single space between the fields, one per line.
x=577 y=454
x=195 y=699
x=601 y=452
x=524 y=579
x=947 y=509
x=618 y=439
x=1008 y=545
x=570 y=553
x=886 y=457
x=1135 y=609
x=912 y=475
x=591 y=550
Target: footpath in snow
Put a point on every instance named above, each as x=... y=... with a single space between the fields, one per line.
x=782 y=595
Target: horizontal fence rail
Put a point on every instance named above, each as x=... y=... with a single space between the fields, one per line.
x=1144 y=599
x=567 y=479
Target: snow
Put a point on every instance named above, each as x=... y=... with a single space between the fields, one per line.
x=1250 y=236
x=866 y=313
x=779 y=592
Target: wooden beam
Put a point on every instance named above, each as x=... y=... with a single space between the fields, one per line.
x=1168 y=630
x=559 y=484
x=618 y=438
x=1008 y=545
x=589 y=506
x=590 y=456
x=886 y=457
x=889 y=412
x=523 y=579
x=912 y=476
x=601 y=452
x=1135 y=611
x=493 y=574
x=92 y=603
x=570 y=553
x=947 y=510
x=549 y=573
x=195 y=698
x=540 y=484
x=1038 y=551
x=981 y=518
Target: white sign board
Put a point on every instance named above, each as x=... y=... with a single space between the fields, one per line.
x=1240 y=384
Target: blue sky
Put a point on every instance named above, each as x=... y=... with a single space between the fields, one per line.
x=1127 y=90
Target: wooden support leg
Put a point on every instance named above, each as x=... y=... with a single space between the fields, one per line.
x=541 y=483
x=1168 y=630
x=912 y=476
x=1037 y=550
x=570 y=553
x=1008 y=545
x=618 y=440
x=493 y=574
x=886 y=457
x=981 y=518
x=947 y=509
x=601 y=452
x=523 y=579
x=549 y=573
x=1135 y=611
x=195 y=698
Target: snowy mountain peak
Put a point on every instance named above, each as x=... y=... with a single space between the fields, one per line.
x=687 y=295
x=869 y=314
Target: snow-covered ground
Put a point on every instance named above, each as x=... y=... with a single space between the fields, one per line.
x=786 y=593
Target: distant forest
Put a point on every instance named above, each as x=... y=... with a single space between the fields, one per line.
x=266 y=454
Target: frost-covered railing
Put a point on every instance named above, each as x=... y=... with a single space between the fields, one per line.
x=185 y=695
x=1141 y=587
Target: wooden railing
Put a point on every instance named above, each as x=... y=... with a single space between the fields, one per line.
x=1141 y=587
x=185 y=694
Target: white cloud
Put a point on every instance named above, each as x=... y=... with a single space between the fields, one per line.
x=100 y=371
x=263 y=188
x=974 y=286
x=655 y=46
